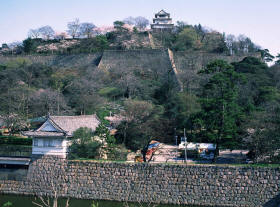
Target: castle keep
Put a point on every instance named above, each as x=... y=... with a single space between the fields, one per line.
x=162 y=22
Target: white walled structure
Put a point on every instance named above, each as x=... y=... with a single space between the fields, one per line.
x=162 y=22
x=50 y=146
x=53 y=137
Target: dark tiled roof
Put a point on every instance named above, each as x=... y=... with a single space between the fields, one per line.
x=162 y=12
x=69 y=124
x=65 y=125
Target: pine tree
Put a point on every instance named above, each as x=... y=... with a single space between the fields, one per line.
x=278 y=59
x=220 y=110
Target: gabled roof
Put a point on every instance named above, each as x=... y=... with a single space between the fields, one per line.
x=162 y=12
x=64 y=125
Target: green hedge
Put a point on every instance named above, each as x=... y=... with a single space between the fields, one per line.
x=15 y=150
x=10 y=140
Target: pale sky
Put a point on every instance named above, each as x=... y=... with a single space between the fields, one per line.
x=257 y=19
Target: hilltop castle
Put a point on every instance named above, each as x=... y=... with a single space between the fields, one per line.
x=162 y=22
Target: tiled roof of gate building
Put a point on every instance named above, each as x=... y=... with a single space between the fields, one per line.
x=64 y=125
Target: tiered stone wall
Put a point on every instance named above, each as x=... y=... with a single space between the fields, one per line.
x=189 y=63
x=148 y=59
x=60 y=61
x=158 y=183
x=148 y=63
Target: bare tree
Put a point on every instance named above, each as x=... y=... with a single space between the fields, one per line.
x=14 y=107
x=46 y=32
x=136 y=110
x=189 y=80
x=73 y=28
x=34 y=33
x=141 y=22
x=14 y=122
x=55 y=185
x=85 y=99
x=47 y=101
x=243 y=46
x=129 y=20
x=240 y=44
x=230 y=39
x=86 y=29
x=126 y=81
x=14 y=46
x=46 y=202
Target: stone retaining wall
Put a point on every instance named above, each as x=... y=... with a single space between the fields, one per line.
x=158 y=183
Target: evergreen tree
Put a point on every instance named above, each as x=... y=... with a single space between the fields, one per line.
x=277 y=62
x=220 y=111
x=83 y=145
x=266 y=56
x=29 y=45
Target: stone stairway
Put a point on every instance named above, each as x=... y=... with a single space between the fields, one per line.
x=171 y=58
x=151 y=41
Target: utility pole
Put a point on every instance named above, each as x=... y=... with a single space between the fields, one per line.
x=186 y=158
x=176 y=144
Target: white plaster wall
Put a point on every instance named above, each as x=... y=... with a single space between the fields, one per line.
x=57 y=151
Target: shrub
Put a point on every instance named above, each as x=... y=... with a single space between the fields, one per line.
x=83 y=145
x=187 y=39
x=89 y=150
x=30 y=45
x=7 y=204
x=15 y=150
x=110 y=92
x=104 y=133
x=117 y=153
x=10 y=140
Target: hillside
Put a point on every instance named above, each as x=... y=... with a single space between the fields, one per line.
x=190 y=79
x=153 y=64
x=183 y=37
x=59 y=61
x=189 y=63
